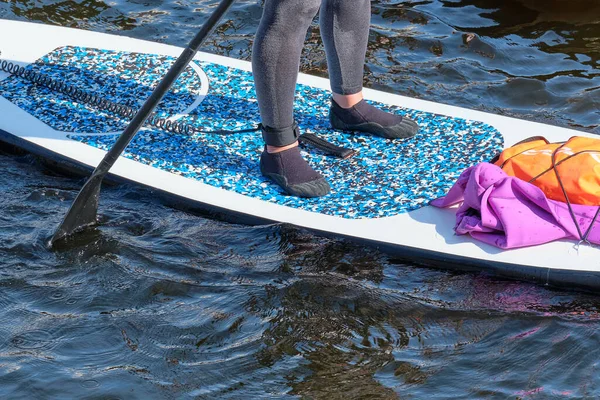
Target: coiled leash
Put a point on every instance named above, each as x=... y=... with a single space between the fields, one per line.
x=154 y=120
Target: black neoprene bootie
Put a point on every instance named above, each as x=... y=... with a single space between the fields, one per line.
x=293 y=174
x=363 y=117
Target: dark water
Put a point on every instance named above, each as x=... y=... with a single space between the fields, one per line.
x=159 y=303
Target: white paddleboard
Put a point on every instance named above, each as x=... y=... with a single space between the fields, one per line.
x=379 y=196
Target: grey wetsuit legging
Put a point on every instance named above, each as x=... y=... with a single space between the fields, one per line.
x=278 y=45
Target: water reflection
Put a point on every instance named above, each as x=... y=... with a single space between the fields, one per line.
x=70 y=13
x=570 y=27
x=176 y=305
x=535 y=63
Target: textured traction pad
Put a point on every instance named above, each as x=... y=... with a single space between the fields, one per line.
x=385 y=178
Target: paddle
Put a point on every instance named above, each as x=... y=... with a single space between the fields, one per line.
x=85 y=207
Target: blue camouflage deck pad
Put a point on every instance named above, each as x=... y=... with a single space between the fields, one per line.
x=385 y=178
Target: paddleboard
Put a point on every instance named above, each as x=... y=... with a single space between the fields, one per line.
x=379 y=197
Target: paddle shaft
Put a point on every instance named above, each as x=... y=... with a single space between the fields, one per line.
x=83 y=211
x=161 y=89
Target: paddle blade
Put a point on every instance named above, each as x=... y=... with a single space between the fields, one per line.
x=83 y=211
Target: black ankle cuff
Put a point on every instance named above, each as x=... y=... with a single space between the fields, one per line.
x=280 y=137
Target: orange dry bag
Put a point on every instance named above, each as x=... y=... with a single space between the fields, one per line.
x=568 y=171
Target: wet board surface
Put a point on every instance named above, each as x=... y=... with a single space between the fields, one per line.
x=379 y=196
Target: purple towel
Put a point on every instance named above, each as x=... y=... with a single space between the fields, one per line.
x=507 y=212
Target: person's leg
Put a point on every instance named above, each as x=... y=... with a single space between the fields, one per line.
x=345 y=32
x=275 y=64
